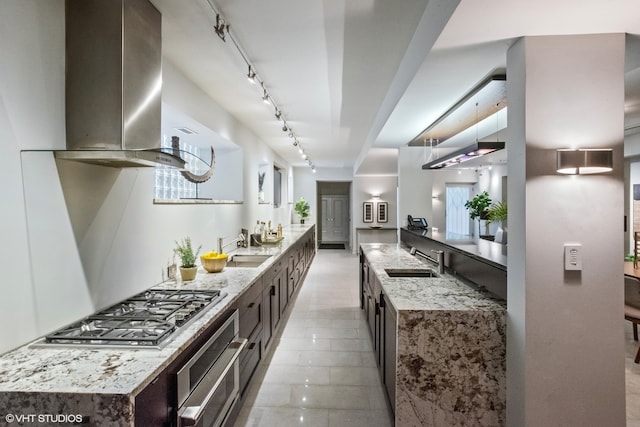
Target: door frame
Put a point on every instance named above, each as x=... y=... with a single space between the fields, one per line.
x=328 y=188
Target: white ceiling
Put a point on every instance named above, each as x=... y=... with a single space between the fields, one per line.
x=353 y=77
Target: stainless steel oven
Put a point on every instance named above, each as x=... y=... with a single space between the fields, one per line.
x=208 y=384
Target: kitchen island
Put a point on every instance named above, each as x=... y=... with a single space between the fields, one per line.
x=480 y=261
x=440 y=343
x=103 y=385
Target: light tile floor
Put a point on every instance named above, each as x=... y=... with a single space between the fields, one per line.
x=321 y=371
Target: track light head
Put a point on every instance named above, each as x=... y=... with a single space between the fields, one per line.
x=290 y=133
x=220 y=27
x=278 y=114
x=251 y=75
x=285 y=128
x=295 y=143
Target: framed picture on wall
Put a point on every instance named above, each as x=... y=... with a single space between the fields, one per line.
x=383 y=208
x=367 y=212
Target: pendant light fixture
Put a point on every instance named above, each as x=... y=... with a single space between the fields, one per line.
x=473 y=151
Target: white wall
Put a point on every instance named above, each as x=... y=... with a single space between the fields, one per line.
x=364 y=188
x=361 y=189
x=102 y=239
x=565 y=347
x=31 y=116
x=305 y=186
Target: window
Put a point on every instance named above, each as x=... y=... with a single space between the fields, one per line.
x=170 y=184
x=458 y=222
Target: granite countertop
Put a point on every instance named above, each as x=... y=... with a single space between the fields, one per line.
x=443 y=293
x=127 y=371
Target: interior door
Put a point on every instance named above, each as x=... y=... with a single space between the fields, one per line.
x=335 y=218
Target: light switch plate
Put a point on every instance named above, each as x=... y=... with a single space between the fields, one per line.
x=573 y=256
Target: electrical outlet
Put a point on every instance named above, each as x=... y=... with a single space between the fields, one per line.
x=172 y=269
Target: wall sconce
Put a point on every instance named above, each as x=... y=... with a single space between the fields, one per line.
x=434 y=196
x=584 y=161
x=375 y=196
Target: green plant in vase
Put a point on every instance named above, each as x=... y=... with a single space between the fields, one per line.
x=497 y=212
x=302 y=209
x=184 y=250
x=478 y=207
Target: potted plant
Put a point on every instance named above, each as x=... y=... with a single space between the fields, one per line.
x=302 y=209
x=497 y=212
x=478 y=207
x=188 y=258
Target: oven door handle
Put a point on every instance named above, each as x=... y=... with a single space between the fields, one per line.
x=191 y=413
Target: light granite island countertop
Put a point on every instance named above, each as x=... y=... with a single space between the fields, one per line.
x=100 y=384
x=450 y=345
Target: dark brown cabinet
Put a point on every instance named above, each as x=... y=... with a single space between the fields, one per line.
x=281 y=282
x=261 y=309
x=382 y=322
x=270 y=302
x=154 y=399
x=250 y=308
x=274 y=299
x=389 y=339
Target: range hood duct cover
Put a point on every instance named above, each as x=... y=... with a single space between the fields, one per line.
x=113 y=84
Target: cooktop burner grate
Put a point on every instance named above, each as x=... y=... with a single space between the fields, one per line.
x=144 y=320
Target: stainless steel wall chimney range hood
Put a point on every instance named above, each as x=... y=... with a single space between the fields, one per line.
x=113 y=84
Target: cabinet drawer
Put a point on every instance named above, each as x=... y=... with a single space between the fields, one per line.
x=272 y=272
x=292 y=263
x=250 y=310
x=249 y=359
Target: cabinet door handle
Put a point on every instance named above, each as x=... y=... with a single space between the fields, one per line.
x=377 y=309
x=273 y=290
x=251 y=305
x=252 y=346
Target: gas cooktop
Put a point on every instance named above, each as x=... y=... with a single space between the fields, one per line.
x=144 y=320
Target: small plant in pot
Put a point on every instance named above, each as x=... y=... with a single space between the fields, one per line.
x=188 y=258
x=302 y=209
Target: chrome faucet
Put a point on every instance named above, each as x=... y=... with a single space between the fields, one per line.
x=239 y=241
x=440 y=259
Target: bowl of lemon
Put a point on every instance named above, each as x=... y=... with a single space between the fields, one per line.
x=213 y=262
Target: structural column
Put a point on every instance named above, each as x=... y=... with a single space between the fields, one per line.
x=565 y=345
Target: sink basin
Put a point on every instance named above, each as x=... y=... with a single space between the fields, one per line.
x=410 y=272
x=246 y=260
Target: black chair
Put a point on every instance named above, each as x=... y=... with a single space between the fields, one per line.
x=632 y=306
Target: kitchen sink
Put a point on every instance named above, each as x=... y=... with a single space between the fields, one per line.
x=410 y=272
x=246 y=260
